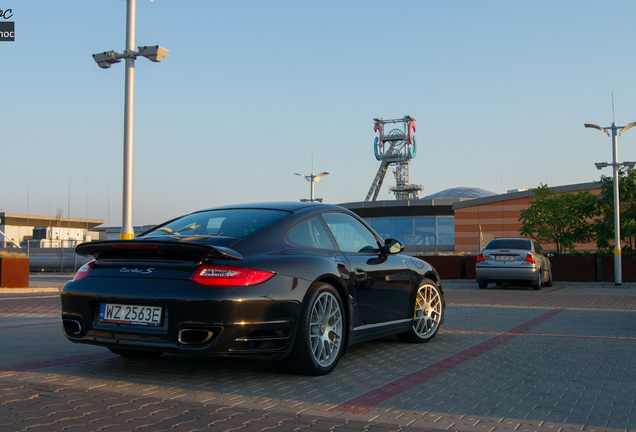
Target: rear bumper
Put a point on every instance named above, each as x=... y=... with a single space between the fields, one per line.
x=494 y=273
x=257 y=321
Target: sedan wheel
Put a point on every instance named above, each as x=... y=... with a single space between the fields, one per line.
x=427 y=315
x=549 y=282
x=319 y=339
x=536 y=284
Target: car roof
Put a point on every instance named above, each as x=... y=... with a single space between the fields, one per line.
x=290 y=206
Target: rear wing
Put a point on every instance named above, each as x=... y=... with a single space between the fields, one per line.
x=181 y=250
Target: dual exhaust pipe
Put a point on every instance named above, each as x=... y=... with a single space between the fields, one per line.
x=186 y=336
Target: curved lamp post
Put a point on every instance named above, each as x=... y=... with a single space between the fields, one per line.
x=312 y=178
x=618 y=276
x=104 y=60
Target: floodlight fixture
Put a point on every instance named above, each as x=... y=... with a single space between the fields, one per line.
x=593 y=126
x=153 y=53
x=626 y=128
x=106 y=58
x=601 y=165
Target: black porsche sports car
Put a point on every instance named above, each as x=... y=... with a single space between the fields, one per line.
x=297 y=282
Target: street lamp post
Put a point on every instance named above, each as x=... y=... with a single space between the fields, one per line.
x=618 y=275
x=104 y=60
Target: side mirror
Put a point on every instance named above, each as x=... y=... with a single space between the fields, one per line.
x=393 y=246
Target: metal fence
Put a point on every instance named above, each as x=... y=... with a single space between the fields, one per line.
x=63 y=260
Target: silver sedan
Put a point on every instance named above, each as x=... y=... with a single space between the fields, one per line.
x=514 y=260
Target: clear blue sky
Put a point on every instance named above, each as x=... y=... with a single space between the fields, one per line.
x=252 y=89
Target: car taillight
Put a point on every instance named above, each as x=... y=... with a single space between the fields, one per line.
x=223 y=276
x=529 y=259
x=480 y=258
x=83 y=271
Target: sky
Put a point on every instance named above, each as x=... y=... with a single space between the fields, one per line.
x=252 y=92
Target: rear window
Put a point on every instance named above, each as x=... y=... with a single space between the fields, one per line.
x=228 y=223
x=510 y=244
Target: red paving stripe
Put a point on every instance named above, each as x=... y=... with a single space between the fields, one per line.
x=558 y=288
x=55 y=362
x=380 y=395
x=571 y=336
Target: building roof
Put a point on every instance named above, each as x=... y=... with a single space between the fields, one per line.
x=579 y=187
x=460 y=193
x=18 y=219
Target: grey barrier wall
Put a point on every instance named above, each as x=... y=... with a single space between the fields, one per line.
x=63 y=260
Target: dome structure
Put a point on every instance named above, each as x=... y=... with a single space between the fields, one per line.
x=460 y=193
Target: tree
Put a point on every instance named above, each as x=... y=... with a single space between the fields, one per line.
x=562 y=219
x=604 y=210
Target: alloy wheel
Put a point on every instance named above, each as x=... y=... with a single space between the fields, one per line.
x=428 y=311
x=326 y=329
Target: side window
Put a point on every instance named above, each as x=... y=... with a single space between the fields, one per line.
x=350 y=234
x=310 y=233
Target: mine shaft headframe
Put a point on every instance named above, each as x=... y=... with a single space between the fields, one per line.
x=395 y=145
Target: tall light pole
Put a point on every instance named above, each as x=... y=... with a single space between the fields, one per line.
x=618 y=275
x=105 y=60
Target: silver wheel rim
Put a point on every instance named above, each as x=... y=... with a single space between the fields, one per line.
x=325 y=329
x=428 y=311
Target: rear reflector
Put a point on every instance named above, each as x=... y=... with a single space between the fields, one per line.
x=83 y=271
x=223 y=276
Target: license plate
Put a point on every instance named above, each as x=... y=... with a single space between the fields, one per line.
x=505 y=258
x=129 y=314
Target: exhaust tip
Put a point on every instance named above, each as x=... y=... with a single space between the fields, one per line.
x=72 y=327
x=194 y=336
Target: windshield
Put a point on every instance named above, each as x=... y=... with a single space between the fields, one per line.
x=522 y=244
x=229 y=223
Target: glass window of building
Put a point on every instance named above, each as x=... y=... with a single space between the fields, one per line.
x=426 y=233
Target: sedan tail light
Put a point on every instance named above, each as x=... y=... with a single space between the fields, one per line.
x=224 y=276
x=529 y=259
x=480 y=258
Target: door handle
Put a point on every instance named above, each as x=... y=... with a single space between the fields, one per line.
x=359 y=274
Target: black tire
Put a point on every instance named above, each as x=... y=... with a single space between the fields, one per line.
x=427 y=314
x=133 y=353
x=536 y=284
x=320 y=337
x=482 y=284
x=549 y=281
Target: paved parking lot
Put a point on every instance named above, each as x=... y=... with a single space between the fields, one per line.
x=559 y=359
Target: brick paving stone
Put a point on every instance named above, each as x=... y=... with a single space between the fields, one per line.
x=573 y=372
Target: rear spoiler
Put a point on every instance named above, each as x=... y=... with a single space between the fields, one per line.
x=157 y=249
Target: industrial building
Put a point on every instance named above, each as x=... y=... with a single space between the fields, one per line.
x=25 y=231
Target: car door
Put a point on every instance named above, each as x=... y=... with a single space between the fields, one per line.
x=382 y=282
x=543 y=261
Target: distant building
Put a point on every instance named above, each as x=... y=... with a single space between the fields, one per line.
x=425 y=225
x=458 y=220
x=498 y=216
x=44 y=231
